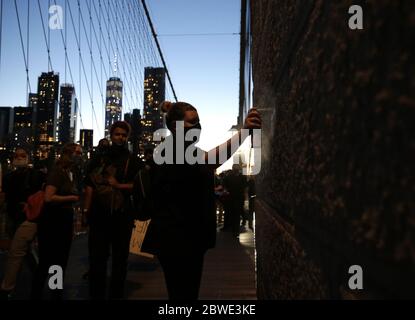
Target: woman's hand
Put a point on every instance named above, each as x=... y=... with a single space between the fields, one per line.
x=113 y=182
x=253 y=120
x=51 y=196
x=73 y=198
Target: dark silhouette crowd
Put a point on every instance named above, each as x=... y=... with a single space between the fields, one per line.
x=103 y=189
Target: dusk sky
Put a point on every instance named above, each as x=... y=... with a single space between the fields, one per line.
x=204 y=68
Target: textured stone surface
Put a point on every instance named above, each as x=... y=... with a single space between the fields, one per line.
x=337 y=182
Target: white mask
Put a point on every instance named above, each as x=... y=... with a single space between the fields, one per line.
x=20 y=163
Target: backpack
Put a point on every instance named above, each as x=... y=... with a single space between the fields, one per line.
x=34 y=205
x=142 y=196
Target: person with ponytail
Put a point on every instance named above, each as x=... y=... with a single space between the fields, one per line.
x=183 y=220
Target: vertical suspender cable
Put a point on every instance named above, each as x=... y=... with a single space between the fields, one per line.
x=80 y=59
x=22 y=44
x=100 y=56
x=1 y=28
x=27 y=49
x=44 y=35
x=66 y=38
x=158 y=47
x=90 y=50
x=50 y=66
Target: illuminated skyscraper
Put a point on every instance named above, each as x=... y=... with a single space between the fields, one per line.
x=22 y=127
x=6 y=124
x=113 y=107
x=134 y=119
x=68 y=108
x=45 y=114
x=154 y=94
x=32 y=103
x=86 y=140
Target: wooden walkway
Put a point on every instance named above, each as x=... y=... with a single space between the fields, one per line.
x=229 y=272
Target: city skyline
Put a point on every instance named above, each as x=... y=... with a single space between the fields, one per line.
x=50 y=118
x=199 y=66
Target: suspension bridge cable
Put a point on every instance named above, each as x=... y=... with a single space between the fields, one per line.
x=131 y=57
x=152 y=58
x=50 y=66
x=82 y=65
x=1 y=28
x=22 y=45
x=151 y=39
x=27 y=48
x=99 y=43
x=129 y=70
x=127 y=87
x=90 y=51
x=79 y=55
x=158 y=47
x=147 y=41
x=90 y=46
x=139 y=58
x=66 y=37
x=100 y=55
x=139 y=77
x=67 y=62
x=109 y=36
x=107 y=73
x=152 y=50
x=125 y=81
x=81 y=62
x=49 y=35
x=199 y=34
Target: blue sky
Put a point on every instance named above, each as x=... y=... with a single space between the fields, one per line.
x=204 y=69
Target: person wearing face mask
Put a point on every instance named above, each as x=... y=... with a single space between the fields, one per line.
x=18 y=186
x=183 y=219
x=109 y=184
x=55 y=225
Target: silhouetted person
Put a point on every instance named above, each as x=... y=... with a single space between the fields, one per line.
x=251 y=208
x=148 y=158
x=18 y=186
x=110 y=217
x=235 y=184
x=55 y=226
x=226 y=203
x=183 y=224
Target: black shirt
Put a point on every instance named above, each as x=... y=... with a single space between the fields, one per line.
x=235 y=183
x=18 y=185
x=184 y=209
x=63 y=180
x=117 y=161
